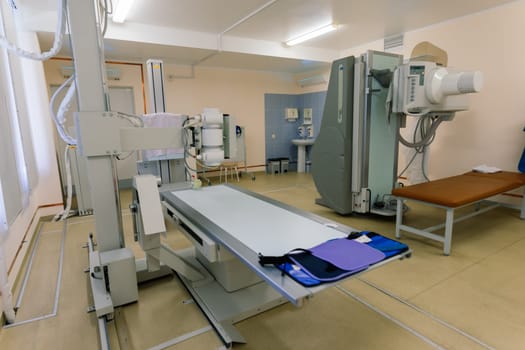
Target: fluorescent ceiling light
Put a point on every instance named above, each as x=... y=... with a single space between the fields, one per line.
x=311 y=35
x=121 y=11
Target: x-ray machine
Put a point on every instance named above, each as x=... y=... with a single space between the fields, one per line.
x=354 y=158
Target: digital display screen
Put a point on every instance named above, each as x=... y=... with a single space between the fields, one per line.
x=418 y=70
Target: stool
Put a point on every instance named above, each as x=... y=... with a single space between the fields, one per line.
x=225 y=165
x=284 y=165
x=275 y=167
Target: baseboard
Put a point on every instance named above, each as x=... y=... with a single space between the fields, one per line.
x=42 y=212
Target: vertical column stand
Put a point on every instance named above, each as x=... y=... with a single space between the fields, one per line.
x=157 y=104
x=91 y=89
x=88 y=59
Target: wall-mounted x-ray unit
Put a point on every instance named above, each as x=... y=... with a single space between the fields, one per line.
x=354 y=158
x=351 y=172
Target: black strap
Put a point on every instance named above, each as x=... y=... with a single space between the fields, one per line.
x=298 y=251
x=276 y=260
x=272 y=260
x=354 y=235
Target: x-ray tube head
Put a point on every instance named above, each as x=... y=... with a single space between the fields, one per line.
x=424 y=87
x=212 y=157
x=211 y=117
x=445 y=83
x=212 y=151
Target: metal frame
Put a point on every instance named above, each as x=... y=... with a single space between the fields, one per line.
x=374 y=165
x=223 y=308
x=157 y=104
x=28 y=272
x=289 y=289
x=91 y=96
x=91 y=88
x=446 y=238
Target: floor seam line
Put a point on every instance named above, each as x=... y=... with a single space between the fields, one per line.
x=426 y=313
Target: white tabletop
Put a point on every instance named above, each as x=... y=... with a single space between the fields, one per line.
x=263 y=227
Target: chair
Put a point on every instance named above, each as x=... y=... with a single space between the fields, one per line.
x=228 y=165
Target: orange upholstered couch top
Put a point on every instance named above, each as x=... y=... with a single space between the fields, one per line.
x=456 y=191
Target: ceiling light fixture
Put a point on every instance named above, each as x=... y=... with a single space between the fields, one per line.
x=311 y=35
x=121 y=11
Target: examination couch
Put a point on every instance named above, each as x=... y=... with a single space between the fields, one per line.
x=452 y=193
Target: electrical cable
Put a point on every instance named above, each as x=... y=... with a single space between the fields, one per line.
x=65 y=104
x=60 y=119
x=12 y=3
x=425 y=128
x=95 y=276
x=426 y=136
x=104 y=12
x=423 y=164
x=187 y=145
x=67 y=210
x=126 y=156
x=110 y=2
x=136 y=120
x=409 y=163
x=185 y=140
x=57 y=44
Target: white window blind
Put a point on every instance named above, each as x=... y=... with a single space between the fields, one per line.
x=16 y=149
x=3 y=216
x=23 y=119
x=11 y=191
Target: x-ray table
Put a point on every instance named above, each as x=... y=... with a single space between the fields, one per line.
x=246 y=224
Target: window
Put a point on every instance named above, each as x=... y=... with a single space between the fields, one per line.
x=9 y=175
x=17 y=163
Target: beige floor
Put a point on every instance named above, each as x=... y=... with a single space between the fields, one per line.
x=473 y=299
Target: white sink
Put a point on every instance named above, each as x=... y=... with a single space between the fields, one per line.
x=301 y=152
x=303 y=142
